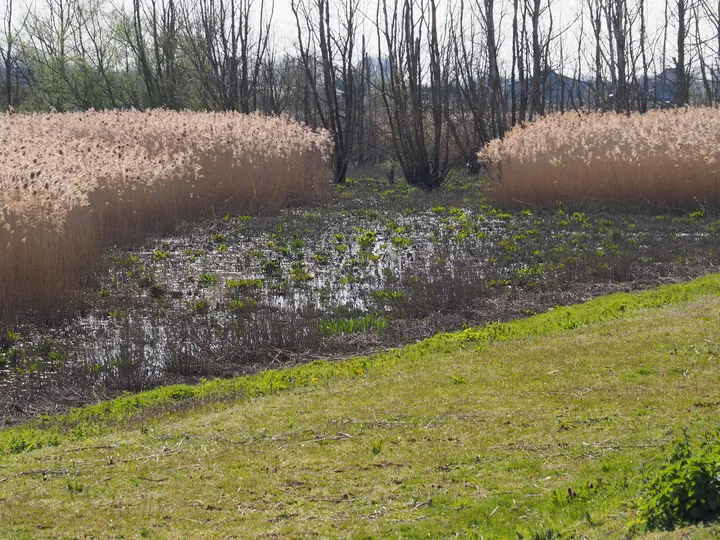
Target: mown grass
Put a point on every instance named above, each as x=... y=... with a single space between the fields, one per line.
x=544 y=424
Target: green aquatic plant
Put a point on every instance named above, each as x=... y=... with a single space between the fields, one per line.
x=367 y=239
x=271 y=268
x=401 y=241
x=238 y=306
x=321 y=258
x=157 y=291
x=297 y=243
x=201 y=307
x=130 y=260
x=236 y=284
x=194 y=255
x=160 y=255
x=8 y=340
x=367 y=323
x=207 y=280
x=298 y=272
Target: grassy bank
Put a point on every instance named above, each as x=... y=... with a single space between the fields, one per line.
x=545 y=424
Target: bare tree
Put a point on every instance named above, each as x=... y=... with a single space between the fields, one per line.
x=516 y=59
x=363 y=98
x=151 y=31
x=617 y=16
x=277 y=78
x=596 y=8
x=6 y=52
x=713 y=16
x=415 y=124
x=681 y=83
x=537 y=75
x=470 y=130
x=225 y=53
x=643 y=46
x=497 y=97
x=48 y=50
x=336 y=106
x=701 y=58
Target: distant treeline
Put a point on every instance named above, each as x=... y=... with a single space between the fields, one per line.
x=422 y=88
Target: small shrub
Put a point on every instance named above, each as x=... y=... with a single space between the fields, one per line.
x=686 y=489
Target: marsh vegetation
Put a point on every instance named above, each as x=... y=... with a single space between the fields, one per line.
x=376 y=266
x=72 y=185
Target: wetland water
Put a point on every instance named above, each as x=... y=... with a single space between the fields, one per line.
x=377 y=267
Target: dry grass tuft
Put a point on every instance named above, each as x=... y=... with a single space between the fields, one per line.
x=663 y=158
x=72 y=184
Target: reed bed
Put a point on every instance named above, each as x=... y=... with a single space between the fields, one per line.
x=73 y=184
x=665 y=158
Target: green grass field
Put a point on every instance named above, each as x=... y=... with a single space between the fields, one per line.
x=541 y=428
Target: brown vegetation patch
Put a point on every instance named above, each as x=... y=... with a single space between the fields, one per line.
x=662 y=158
x=72 y=184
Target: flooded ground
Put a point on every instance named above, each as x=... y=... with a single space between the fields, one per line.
x=380 y=266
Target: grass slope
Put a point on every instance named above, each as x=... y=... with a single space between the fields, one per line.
x=480 y=433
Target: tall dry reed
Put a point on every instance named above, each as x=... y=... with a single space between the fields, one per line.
x=72 y=184
x=663 y=158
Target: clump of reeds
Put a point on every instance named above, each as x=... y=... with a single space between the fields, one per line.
x=73 y=184
x=665 y=158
